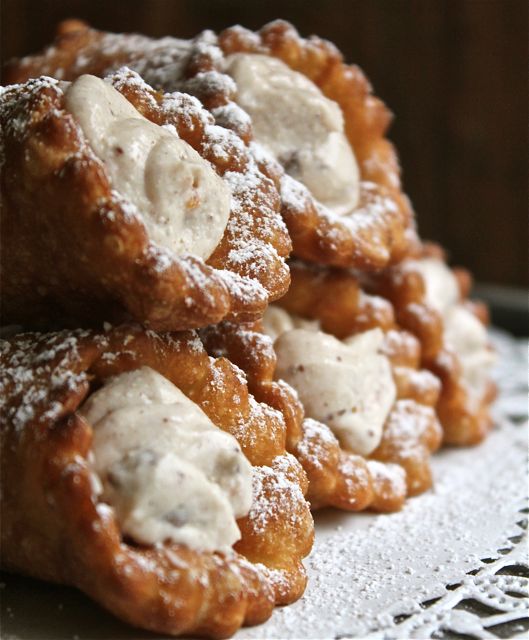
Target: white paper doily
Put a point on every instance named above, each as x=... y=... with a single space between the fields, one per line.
x=452 y=564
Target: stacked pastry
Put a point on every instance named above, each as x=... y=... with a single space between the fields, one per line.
x=165 y=428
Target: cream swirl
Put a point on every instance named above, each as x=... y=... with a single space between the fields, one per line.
x=299 y=126
x=183 y=203
x=168 y=472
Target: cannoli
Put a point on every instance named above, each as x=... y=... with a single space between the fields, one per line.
x=319 y=132
x=140 y=470
x=122 y=202
x=359 y=412
x=431 y=301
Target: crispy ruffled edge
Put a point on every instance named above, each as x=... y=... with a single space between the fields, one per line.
x=399 y=467
x=247 y=270
x=384 y=228
x=251 y=255
x=45 y=377
x=339 y=299
x=463 y=424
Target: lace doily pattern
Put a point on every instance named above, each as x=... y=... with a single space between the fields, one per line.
x=490 y=602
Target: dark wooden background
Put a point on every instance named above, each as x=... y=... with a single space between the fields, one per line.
x=453 y=71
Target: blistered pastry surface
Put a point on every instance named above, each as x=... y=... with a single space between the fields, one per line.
x=106 y=264
x=337 y=477
x=464 y=333
x=463 y=406
x=313 y=149
x=379 y=231
x=63 y=530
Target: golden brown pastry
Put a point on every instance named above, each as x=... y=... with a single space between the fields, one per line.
x=365 y=469
x=449 y=328
x=338 y=175
x=77 y=470
x=431 y=301
x=120 y=201
x=379 y=229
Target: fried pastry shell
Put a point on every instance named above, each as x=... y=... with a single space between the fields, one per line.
x=399 y=467
x=338 y=299
x=384 y=228
x=53 y=527
x=73 y=249
x=380 y=231
x=464 y=423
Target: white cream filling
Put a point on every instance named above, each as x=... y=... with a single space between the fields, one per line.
x=184 y=204
x=276 y=321
x=346 y=384
x=442 y=290
x=463 y=332
x=299 y=126
x=467 y=336
x=168 y=472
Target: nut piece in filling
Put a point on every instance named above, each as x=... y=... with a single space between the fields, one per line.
x=299 y=126
x=346 y=384
x=463 y=332
x=167 y=471
x=182 y=201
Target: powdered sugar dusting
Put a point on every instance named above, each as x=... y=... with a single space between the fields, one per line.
x=275 y=496
x=386 y=472
x=377 y=575
x=243 y=287
x=367 y=572
x=232 y=116
x=294 y=194
x=316 y=437
x=35 y=368
x=406 y=424
x=252 y=236
x=15 y=106
x=253 y=268
x=420 y=379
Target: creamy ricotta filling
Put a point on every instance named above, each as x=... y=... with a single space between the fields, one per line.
x=184 y=204
x=299 y=126
x=442 y=290
x=277 y=321
x=168 y=472
x=463 y=332
x=346 y=384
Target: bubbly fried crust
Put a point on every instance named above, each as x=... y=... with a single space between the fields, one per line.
x=70 y=244
x=464 y=422
x=53 y=528
x=335 y=298
x=338 y=299
x=62 y=59
x=377 y=233
x=398 y=467
x=380 y=231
